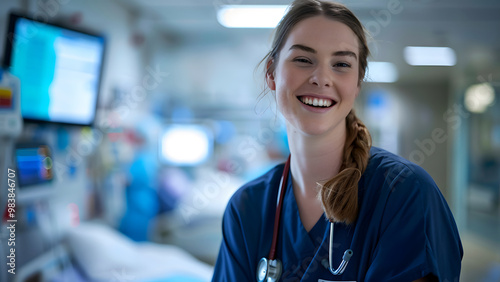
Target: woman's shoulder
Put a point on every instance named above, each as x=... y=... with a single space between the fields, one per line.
x=394 y=170
x=399 y=187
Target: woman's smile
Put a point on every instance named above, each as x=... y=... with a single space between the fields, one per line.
x=316 y=104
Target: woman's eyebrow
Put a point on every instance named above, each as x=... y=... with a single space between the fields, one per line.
x=345 y=53
x=303 y=48
x=311 y=50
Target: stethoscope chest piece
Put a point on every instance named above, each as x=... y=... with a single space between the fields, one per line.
x=268 y=270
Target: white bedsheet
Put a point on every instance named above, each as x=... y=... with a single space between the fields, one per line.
x=106 y=255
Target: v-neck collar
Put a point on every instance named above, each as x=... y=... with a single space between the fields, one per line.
x=317 y=231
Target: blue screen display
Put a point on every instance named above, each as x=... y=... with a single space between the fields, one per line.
x=59 y=70
x=34 y=165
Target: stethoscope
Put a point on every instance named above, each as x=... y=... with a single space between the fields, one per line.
x=270 y=269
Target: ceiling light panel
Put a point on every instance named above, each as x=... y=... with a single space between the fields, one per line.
x=251 y=16
x=430 y=56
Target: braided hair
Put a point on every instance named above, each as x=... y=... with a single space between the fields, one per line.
x=339 y=195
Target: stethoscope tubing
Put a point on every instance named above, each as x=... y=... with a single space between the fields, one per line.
x=277 y=217
x=345 y=259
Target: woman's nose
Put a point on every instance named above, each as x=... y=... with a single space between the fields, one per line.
x=321 y=76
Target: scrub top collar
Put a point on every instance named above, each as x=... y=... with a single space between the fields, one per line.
x=308 y=248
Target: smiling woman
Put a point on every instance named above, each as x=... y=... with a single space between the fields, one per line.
x=335 y=192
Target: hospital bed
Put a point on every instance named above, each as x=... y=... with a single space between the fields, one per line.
x=95 y=252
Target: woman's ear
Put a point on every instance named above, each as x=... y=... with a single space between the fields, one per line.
x=270 y=76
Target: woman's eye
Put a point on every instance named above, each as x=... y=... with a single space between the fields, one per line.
x=342 y=65
x=302 y=60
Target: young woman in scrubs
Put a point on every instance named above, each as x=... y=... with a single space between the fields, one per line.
x=385 y=209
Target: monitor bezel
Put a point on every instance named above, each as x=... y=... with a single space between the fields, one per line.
x=14 y=16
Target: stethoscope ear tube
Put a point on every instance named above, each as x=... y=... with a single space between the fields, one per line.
x=345 y=258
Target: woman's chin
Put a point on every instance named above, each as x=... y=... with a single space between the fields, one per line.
x=314 y=129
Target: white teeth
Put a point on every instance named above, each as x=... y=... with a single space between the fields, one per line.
x=316 y=102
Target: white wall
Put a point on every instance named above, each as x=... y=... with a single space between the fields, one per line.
x=212 y=73
x=425 y=135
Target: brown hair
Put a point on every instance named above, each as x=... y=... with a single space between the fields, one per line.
x=339 y=195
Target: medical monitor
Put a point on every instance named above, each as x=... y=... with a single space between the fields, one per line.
x=34 y=165
x=59 y=69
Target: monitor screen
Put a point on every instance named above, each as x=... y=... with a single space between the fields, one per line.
x=59 y=70
x=186 y=144
x=34 y=165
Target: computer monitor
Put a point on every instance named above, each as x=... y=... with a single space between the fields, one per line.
x=59 y=69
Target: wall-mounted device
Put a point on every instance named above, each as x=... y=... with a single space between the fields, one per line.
x=34 y=165
x=59 y=68
x=11 y=122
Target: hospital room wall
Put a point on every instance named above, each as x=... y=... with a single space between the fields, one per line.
x=424 y=105
x=124 y=67
x=216 y=71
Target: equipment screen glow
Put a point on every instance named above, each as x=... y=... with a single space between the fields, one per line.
x=186 y=145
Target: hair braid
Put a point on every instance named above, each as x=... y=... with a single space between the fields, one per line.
x=339 y=195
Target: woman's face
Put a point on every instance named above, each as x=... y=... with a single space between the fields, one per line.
x=316 y=76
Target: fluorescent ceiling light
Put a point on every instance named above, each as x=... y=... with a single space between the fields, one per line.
x=251 y=16
x=430 y=56
x=383 y=72
x=479 y=97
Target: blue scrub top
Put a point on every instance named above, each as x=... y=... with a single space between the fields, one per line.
x=404 y=231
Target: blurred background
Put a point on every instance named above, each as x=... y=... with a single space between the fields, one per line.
x=137 y=120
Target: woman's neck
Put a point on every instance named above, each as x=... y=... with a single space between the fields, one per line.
x=315 y=159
